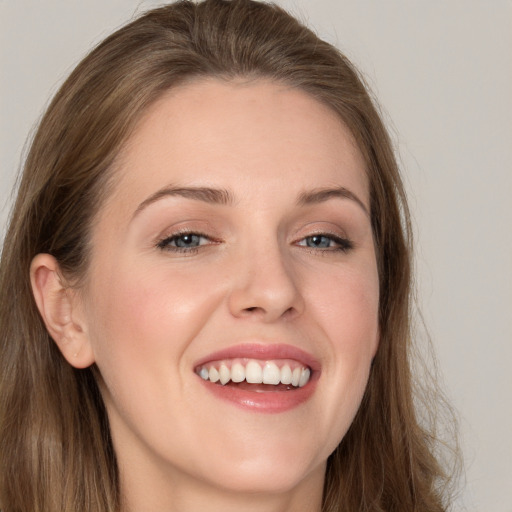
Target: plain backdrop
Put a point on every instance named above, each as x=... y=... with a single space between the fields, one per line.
x=442 y=71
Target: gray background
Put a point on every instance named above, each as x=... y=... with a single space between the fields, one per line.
x=442 y=71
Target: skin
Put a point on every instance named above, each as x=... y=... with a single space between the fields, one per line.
x=148 y=313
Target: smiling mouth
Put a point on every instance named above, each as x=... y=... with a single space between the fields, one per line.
x=256 y=375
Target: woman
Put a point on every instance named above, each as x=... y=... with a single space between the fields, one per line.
x=205 y=284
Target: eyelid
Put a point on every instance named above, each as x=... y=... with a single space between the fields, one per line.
x=327 y=229
x=188 y=224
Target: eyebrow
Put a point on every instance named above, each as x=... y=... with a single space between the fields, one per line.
x=224 y=197
x=205 y=194
x=321 y=195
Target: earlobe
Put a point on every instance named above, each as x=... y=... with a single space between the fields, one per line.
x=60 y=309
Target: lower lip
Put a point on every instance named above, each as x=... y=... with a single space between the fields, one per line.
x=263 y=401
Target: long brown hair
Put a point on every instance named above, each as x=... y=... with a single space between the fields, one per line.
x=55 y=449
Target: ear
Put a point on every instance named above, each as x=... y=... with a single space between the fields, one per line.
x=61 y=309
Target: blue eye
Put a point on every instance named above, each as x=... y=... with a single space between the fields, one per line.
x=328 y=242
x=183 y=242
x=319 y=241
x=187 y=240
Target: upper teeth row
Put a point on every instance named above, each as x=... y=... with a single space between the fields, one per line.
x=254 y=373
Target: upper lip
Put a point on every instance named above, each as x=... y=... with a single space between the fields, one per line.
x=265 y=352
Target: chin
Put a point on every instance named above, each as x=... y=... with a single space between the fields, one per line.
x=265 y=476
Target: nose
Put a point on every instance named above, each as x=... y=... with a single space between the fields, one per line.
x=265 y=286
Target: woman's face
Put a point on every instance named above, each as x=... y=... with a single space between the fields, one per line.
x=236 y=245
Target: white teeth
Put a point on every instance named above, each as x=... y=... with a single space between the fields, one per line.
x=224 y=374
x=271 y=374
x=214 y=374
x=237 y=373
x=254 y=373
x=286 y=375
x=304 y=377
x=295 y=376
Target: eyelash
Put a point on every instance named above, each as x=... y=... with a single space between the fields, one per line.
x=165 y=243
x=341 y=244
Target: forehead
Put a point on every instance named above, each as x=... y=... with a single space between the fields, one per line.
x=218 y=133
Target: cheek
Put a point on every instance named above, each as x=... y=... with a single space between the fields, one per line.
x=348 y=307
x=149 y=313
x=142 y=324
x=347 y=314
